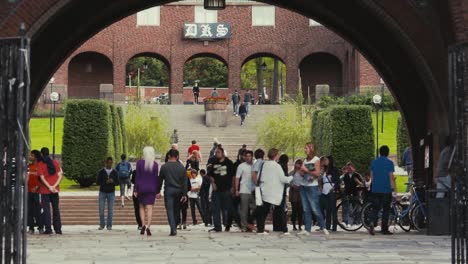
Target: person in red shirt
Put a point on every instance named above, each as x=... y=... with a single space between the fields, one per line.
x=50 y=175
x=34 y=198
x=193 y=147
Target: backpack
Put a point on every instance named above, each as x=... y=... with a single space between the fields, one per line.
x=123 y=170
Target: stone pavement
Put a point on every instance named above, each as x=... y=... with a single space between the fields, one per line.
x=85 y=244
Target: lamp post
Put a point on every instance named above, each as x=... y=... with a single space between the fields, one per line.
x=382 y=83
x=54 y=97
x=377 y=99
x=51 y=82
x=145 y=66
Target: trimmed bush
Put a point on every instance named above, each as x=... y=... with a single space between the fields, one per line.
x=122 y=128
x=402 y=140
x=87 y=139
x=346 y=133
x=357 y=99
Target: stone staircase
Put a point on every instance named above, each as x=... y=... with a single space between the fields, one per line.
x=82 y=209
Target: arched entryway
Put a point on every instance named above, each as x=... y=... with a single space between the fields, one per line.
x=264 y=73
x=90 y=75
x=151 y=73
x=210 y=71
x=321 y=69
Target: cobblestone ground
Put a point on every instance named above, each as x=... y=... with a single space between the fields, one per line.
x=85 y=244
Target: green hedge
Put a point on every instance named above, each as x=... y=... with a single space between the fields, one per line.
x=346 y=133
x=87 y=139
x=402 y=140
x=122 y=129
x=358 y=99
x=117 y=132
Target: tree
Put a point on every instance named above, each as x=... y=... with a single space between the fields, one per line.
x=210 y=72
x=288 y=131
x=156 y=74
x=144 y=127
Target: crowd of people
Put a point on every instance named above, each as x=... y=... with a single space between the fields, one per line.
x=240 y=192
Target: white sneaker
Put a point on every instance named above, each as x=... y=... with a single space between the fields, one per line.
x=304 y=233
x=286 y=234
x=325 y=232
x=263 y=234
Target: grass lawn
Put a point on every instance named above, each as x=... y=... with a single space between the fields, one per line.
x=400 y=183
x=41 y=135
x=389 y=137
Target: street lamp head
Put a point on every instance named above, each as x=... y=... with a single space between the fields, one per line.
x=377 y=99
x=52 y=80
x=54 y=97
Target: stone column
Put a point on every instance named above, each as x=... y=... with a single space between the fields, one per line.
x=176 y=89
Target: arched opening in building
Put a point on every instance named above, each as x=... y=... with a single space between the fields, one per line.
x=321 y=73
x=265 y=75
x=90 y=75
x=150 y=73
x=209 y=71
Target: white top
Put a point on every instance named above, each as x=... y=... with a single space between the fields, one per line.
x=244 y=173
x=327 y=183
x=272 y=182
x=195 y=183
x=368 y=184
x=307 y=180
x=297 y=179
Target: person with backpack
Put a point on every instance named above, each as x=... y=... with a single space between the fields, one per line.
x=124 y=171
x=235 y=102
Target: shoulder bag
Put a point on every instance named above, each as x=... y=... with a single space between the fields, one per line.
x=258 y=190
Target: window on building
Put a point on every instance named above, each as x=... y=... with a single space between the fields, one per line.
x=149 y=17
x=314 y=23
x=263 y=15
x=205 y=16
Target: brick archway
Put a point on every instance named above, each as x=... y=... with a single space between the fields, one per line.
x=87 y=72
x=405 y=42
x=321 y=68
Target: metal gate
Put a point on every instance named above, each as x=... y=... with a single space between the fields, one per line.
x=14 y=136
x=458 y=87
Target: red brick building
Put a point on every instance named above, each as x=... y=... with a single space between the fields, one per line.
x=322 y=56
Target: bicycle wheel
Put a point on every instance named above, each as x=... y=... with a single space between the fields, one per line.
x=404 y=221
x=352 y=221
x=366 y=216
x=418 y=217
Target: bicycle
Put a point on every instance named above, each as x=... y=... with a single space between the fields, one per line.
x=412 y=217
x=355 y=205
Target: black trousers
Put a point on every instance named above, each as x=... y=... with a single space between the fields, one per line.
x=47 y=200
x=297 y=214
x=328 y=206
x=280 y=218
x=172 y=198
x=182 y=213
x=195 y=202
x=34 y=211
x=262 y=214
x=206 y=208
x=381 y=201
x=136 y=206
x=234 y=215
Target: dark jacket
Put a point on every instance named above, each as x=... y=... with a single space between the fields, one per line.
x=236 y=98
x=173 y=175
x=106 y=182
x=242 y=110
x=247 y=97
x=350 y=183
x=223 y=173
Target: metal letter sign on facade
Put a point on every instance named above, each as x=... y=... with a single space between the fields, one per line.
x=207 y=31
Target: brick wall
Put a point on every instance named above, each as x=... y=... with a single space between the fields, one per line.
x=368 y=76
x=291 y=40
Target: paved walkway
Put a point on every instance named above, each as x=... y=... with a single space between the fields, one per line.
x=84 y=244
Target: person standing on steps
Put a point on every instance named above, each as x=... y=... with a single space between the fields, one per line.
x=193 y=147
x=173 y=146
x=235 y=102
x=245 y=189
x=205 y=198
x=295 y=196
x=242 y=113
x=175 y=137
x=193 y=162
x=174 y=178
x=383 y=187
x=50 y=175
x=196 y=92
x=107 y=179
x=146 y=186
x=247 y=101
x=124 y=170
x=214 y=93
